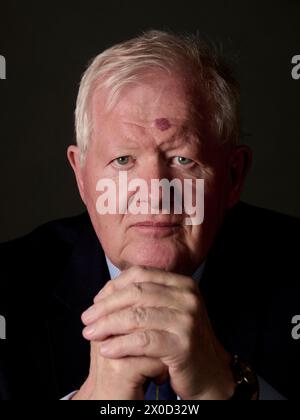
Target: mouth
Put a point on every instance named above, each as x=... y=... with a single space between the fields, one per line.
x=157 y=229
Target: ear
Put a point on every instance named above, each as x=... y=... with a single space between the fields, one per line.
x=73 y=154
x=240 y=163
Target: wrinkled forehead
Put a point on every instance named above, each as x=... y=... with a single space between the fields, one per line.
x=156 y=98
x=159 y=107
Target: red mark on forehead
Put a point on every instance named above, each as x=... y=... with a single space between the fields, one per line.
x=162 y=124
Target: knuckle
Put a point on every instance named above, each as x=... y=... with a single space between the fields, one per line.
x=189 y=283
x=193 y=302
x=188 y=322
x=117 y=367
x=137 y=270
x=139 y=316
x=186 y=346
x=110 y=286
x=144 y=338
x=138 y=289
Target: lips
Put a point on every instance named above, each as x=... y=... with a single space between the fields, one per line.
x=152 y=224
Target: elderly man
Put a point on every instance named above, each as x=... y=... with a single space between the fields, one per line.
x=170 y=308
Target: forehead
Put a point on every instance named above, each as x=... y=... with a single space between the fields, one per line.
x=157 y=100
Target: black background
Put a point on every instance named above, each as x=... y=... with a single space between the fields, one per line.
x=47 y=46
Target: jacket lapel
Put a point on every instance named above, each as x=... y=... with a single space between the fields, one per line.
x=85 y=274
x=230 y=292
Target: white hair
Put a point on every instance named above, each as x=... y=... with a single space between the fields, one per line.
x=204 y=71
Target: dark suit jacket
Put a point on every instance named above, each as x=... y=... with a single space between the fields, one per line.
x=49 y=277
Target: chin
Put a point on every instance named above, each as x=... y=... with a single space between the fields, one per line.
x=161 y=257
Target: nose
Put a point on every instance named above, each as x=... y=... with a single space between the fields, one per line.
x=153 y=172
x=154 y=168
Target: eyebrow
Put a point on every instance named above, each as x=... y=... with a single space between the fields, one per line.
x=127 y=144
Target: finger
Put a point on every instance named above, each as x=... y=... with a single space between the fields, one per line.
x=150 y=343
x=141 y=294
x=148 y=367
x=142 y=367
x=138 y=274
x=133 y=318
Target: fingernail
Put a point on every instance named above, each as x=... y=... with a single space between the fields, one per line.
x=98 y=296
x=89 y=331
x=88 y=314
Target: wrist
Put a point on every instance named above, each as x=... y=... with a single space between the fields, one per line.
x=220 y=382
x=222 y=388
x=108 y=391
x=240 y=383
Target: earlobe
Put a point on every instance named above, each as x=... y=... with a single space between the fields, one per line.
x=239 y=167
x=73 y=154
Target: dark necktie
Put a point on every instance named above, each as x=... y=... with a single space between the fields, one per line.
x=160 y=392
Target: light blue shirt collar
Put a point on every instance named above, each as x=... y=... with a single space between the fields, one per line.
x=114 y=271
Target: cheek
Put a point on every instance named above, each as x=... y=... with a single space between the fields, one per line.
x=107 y=227
x=90 y=180
x=93 y=190
x=90 y=200
x=109 y=230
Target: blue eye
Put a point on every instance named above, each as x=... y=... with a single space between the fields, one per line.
x=122 y=160
x=183 y=160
